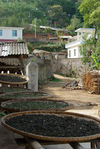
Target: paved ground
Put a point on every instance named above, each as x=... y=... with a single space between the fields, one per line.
x=78 y=97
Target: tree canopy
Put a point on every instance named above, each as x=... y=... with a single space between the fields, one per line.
x=23 y=12
x=90 y=10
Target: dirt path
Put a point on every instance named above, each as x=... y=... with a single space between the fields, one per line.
x=78 y=97
x=56 y=89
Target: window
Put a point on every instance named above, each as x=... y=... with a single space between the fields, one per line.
x=70 y=53
x=74 y=52
x=14 y=33
x=0 y=32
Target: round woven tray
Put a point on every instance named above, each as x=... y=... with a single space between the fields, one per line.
x=13 y=89
x=48 y=101
x=16 y=76
x=49 y=138
x=15 y=95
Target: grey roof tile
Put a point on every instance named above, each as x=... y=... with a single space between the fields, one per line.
x=13 y=49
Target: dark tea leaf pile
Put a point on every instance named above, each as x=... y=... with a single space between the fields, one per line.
x=31 y=104
x=9 y=78
x=23 y=95
x=54 y=125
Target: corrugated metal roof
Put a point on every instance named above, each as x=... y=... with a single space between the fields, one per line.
x=85 y=30
x=13 y=48
x=17 y=28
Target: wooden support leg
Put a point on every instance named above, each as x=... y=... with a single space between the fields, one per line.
x=76 y=145
x=34 y=144
x=97 y=145
x=27 y=147
x=93 y=145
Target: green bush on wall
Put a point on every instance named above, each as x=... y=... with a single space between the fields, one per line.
x=51 y=48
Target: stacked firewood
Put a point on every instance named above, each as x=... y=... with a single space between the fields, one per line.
x=91 y=81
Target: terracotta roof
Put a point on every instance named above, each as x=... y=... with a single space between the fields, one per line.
x=13 y=48
x=7 y=40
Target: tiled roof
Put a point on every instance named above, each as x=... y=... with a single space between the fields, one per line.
x=13 y=48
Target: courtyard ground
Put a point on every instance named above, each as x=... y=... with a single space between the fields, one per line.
x=76 y=96
x=81 y=99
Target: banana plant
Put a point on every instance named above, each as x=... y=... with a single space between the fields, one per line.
x=95 y=59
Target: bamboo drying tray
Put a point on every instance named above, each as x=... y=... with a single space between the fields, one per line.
x=16 y=76
x=16 y=95
x=12 y=109
x=49 y=138
x=13 y=89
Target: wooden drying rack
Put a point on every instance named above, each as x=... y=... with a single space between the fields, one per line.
x=33 y=141
x=35 y=144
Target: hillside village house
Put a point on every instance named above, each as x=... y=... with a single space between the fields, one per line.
x=10 y=34
x=74 y=47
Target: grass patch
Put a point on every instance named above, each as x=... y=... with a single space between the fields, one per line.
x=52 y=78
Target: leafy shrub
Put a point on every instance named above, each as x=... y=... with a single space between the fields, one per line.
x=51 y=47
x=52 y=78
x=30 y=47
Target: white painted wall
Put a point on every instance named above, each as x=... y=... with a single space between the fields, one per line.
x=71 y=51
x=76 y=44
x=85 y=31
x=7 y=33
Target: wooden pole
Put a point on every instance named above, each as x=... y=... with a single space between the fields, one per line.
x=22 y=63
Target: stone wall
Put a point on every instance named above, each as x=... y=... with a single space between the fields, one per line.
x=38 y=70
x=45 y=71
x=69 y=67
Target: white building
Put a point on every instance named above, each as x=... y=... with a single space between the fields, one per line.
x=74 y=47
x=8 y=34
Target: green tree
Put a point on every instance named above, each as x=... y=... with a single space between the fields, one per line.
x=55 y=13
x=25 y=11
x=90 y=10
x=87 y=9
x=75 y=23
x=91 y=52
x=95 y=18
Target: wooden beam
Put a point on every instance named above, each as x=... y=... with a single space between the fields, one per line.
x=22 y=63
x=7 y=67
